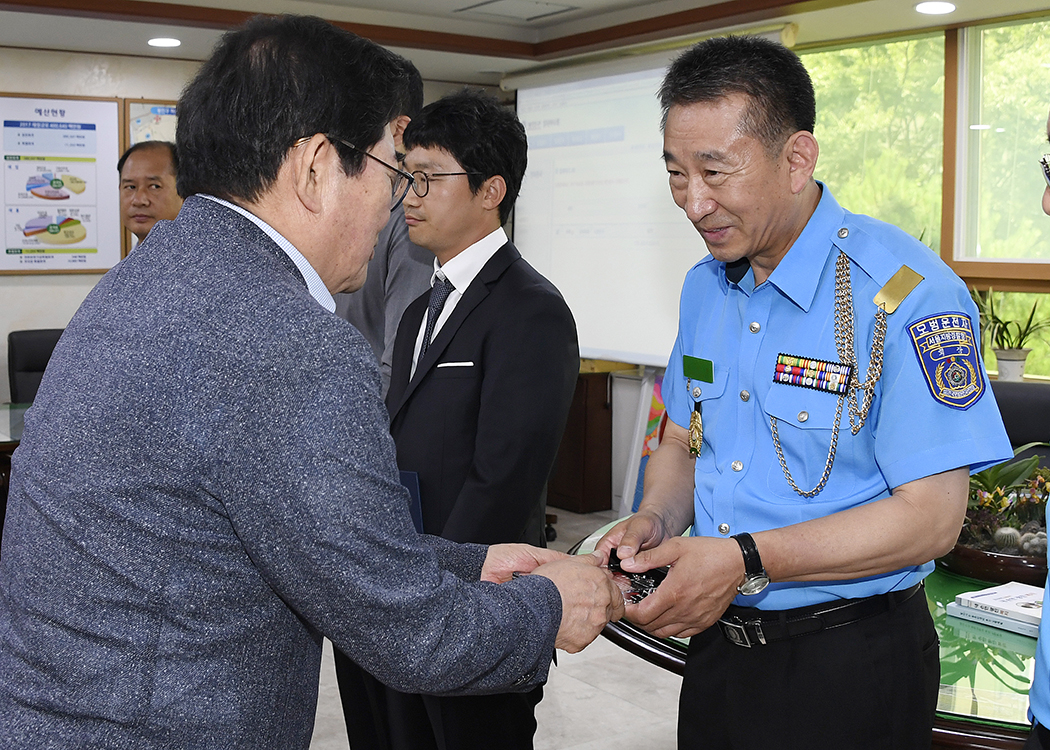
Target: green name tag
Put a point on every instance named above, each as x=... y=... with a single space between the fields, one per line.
x=698 y=369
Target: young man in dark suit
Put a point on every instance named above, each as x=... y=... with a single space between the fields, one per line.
x=484 y=368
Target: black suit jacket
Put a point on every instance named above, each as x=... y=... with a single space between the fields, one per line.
x=482 y=418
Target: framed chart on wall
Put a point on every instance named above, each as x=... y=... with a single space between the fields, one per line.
x=60 y=187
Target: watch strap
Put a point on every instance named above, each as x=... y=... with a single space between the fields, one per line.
x=752 y=560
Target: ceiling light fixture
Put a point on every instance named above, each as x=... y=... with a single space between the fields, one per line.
x=935 y=9
x=164 y=41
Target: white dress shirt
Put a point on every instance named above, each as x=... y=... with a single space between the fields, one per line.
x=461 y=271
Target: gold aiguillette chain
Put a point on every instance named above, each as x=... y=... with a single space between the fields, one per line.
x=858 y=409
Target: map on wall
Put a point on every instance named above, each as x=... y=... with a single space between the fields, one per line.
x=151 y=121
x=61 y=211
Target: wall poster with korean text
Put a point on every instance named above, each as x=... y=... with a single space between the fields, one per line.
x=61 y=204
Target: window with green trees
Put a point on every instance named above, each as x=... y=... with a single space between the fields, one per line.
x=1004 y=104
x=880 y=126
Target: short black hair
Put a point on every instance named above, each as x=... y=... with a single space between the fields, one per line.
x=779 y=90
x=172 y=149
x=481 y=134
x=272 y=81
x=410 y=90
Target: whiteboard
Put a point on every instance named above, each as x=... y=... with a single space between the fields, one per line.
x=595 y=214
x=61 y=205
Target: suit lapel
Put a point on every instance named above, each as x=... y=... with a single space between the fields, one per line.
x=472 y=297
x=404 y=344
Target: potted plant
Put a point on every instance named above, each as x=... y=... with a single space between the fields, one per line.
x=1007 y=337
x=1003 y=537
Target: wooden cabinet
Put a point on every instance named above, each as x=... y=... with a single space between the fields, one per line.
x=581 y=480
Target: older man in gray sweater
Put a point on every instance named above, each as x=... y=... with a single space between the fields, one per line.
x=206 y=486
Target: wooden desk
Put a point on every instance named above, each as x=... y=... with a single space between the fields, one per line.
x=985 y=672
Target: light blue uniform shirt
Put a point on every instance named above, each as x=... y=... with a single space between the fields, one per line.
x=909 y=434
x=1039 y=694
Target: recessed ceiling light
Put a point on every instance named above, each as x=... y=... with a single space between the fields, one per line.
x=935 y=9
x=164 y=41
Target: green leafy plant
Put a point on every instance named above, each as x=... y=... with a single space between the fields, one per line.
x=1002 y=333
x=1013 y=496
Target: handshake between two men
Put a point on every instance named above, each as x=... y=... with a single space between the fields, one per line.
x=593 y=595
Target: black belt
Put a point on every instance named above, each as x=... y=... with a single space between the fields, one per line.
x=747 y=626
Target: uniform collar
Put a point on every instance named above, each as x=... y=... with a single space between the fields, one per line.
x=799 y=272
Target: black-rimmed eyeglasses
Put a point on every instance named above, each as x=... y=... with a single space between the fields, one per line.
x=1045 y=163
x=399 y=183
x=421 y=180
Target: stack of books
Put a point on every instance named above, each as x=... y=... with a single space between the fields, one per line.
x=1011 y=606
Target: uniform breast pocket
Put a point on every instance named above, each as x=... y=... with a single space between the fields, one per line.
x=709 y=396
x=805 y=423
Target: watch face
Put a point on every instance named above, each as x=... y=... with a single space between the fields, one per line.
x=753 y=584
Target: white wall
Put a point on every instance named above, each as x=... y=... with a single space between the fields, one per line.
x=49 y=301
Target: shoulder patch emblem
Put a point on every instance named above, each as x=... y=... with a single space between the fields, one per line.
x=944 y=344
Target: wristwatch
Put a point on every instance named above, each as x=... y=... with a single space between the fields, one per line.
x=755 y=578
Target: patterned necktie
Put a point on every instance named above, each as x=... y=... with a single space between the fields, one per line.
x=438 y=294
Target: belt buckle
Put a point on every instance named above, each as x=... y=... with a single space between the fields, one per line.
x=735 y=631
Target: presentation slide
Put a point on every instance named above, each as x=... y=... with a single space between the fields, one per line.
x=595 y=214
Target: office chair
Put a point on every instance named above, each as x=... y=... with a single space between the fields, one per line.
x=1025 y=408
x=27 y=355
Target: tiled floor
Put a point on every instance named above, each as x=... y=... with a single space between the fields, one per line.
x=602 y=697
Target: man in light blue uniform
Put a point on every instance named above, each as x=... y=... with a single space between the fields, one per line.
x=1039 y=695
x=826 y=400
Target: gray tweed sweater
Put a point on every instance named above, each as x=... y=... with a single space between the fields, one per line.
x=206 y=486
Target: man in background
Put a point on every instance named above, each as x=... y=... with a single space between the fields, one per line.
x=148 y=172
x=399 y=271
x=484 y=368
x=206 y=487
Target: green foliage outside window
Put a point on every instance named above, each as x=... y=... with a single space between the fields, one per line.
x=880 y=126
x=1006 y=132
x=1006 y=136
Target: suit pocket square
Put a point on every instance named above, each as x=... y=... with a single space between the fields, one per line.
x=455 y=364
